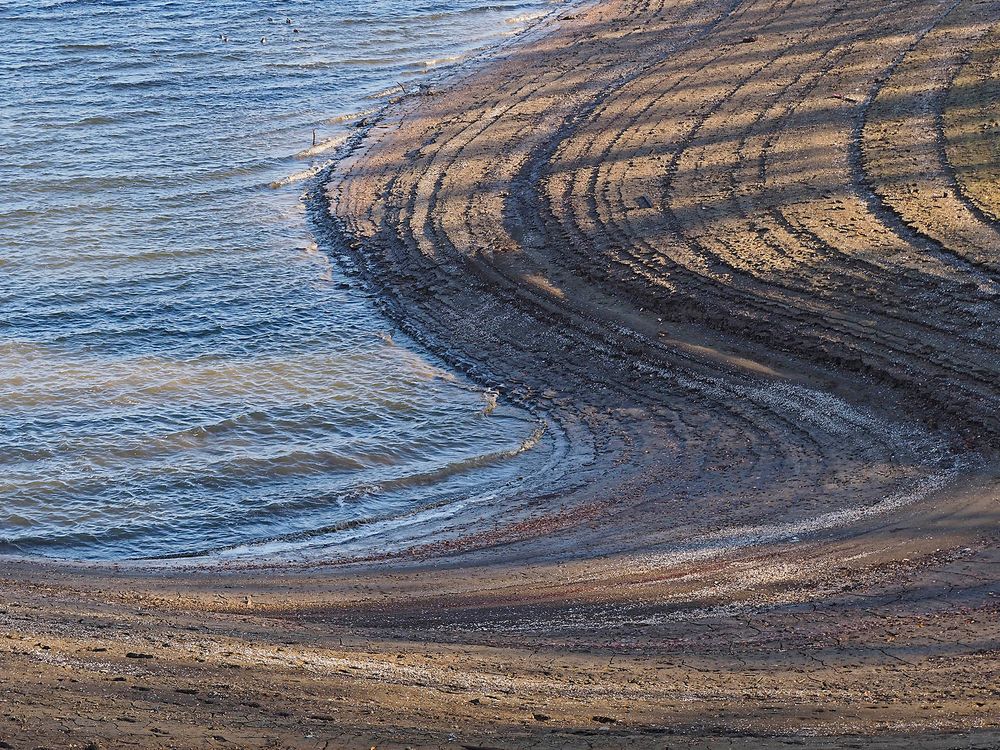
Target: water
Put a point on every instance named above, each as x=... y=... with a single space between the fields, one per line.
x=181 y=368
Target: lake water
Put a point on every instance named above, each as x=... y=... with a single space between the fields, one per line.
x=182 y=369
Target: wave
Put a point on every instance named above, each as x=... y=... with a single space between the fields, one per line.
x=438 y=61
x=323 y=146
x=402 y=483
x=339 y=119
x=459 y=467
x=283 y=507
x=526 y=17
x=305 y=174
x=96 y=120
x=475 y=10
x=78 y=47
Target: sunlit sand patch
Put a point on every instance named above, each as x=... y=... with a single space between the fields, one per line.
x=540 y=282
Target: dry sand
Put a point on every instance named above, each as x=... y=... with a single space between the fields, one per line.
x=743 y=259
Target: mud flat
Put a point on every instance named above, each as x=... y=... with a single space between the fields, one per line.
x=742 y=259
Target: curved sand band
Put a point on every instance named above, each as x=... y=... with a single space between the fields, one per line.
x=742 y=258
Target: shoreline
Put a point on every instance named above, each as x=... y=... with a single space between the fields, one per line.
x=635 y=223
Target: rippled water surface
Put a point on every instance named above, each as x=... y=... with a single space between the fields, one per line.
x=181 y=367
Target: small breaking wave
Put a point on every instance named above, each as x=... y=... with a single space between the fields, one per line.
x=455 y=468
x=304 y=174
x=526 y=18
x=435 y=62
x=323 y=146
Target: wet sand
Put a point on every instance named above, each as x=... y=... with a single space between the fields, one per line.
x=741 y=259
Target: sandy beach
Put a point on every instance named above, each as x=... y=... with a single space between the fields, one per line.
x=741 y=260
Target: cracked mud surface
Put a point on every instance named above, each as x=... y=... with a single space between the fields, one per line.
x=743 y=259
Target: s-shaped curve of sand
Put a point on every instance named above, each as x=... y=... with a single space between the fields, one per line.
x=742 y=258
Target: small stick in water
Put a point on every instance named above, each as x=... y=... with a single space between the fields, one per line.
x=314 y=136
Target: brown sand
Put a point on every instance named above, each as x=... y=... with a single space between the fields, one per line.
x=742 y=258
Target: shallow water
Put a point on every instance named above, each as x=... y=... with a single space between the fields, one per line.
x=181 y=367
